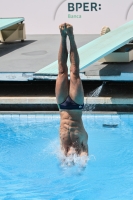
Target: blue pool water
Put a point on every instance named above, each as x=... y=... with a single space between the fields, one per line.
x=30 y=165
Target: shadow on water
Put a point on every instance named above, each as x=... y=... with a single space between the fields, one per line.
x=94 y=93
x=6 y=48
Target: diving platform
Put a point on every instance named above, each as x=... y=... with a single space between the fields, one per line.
x=12 y=29
x=98 y=49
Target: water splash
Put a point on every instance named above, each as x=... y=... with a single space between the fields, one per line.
x=94 y=93
x=74 y=159
x=72 y=164
x=71 y=161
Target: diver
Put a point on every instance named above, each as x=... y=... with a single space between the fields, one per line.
x=70 y=97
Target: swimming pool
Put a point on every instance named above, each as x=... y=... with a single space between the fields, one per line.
x=30 y=159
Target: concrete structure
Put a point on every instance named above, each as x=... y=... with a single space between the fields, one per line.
x=121 y=55
x=12 y=29
x=20 y=61
x=21 y=89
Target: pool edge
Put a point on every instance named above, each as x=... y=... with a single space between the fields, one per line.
x=57 y=112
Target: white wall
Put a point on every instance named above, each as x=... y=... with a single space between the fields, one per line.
x=39 y=15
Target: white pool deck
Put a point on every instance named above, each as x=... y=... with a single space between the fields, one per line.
x=52 y=100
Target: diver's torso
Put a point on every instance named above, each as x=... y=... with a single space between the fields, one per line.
x=71 y=122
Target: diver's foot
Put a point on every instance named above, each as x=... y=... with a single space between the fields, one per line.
x=69 y=30
x=62 y=28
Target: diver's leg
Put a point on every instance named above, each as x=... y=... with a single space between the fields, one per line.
x=61 y=88
x=76 y=89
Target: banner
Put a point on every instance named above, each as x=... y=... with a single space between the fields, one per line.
x=87 y=17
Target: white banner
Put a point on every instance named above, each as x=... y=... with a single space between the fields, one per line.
x=87 y=17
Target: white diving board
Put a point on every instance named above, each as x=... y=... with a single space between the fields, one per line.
x=12 y=29
x=96 y=49
x=7 y=22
